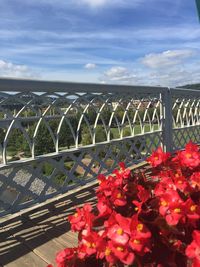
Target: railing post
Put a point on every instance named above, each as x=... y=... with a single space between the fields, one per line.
x=167 y=120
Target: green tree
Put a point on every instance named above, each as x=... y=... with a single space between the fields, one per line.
x=43 y=140
x=85 y=136
x=65 y=137
x=106 y=114
x=100 y=134
x=16 y=140
x=2 y=135
x=126 y=132
x=99 y=137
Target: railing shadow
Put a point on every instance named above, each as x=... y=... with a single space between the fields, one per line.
x=45 y=225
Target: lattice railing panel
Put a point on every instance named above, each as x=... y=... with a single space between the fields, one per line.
x=33 y=182
x=182 y=136
x=186 y=117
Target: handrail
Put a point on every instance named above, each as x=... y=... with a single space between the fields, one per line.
x=26 y=85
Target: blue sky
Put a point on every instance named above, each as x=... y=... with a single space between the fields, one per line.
x=143 y=42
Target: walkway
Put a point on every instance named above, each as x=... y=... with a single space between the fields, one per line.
x=33 y=239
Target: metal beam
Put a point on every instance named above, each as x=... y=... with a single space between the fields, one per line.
x=24 y=85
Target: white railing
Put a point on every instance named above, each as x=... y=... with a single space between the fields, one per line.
x=56 y=136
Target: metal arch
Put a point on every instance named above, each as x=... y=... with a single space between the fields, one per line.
x=111 y=119
x=99 y=115
x=83 y=117
x=42 y=119
x=186 y=119
x=155 y=114
x=13 y=122
x=129 y=120
x=137 y=115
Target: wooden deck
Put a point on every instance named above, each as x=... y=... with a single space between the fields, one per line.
x=33 y=239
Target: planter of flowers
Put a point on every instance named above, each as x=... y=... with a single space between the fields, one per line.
x=142 y=222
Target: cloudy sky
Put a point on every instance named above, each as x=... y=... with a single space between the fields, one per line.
x=143 y=42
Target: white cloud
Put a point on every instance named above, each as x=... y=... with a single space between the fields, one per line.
x=91 y=3
x=171 y=36
x=170 y=74
x=176 y=76
x=172 y=67
x=116 y=72
x=90 y=66
x=100 y=3
x=94 y=3
x=167 y=58
x=119 y=74
x=8 y=69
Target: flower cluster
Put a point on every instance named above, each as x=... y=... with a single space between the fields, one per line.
x=140 y=220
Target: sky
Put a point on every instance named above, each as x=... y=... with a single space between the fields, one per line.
x=135 y=42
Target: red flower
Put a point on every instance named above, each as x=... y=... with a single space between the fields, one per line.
x=105 y=185
x=192 y=211
x=181 y=183
x=158 y=157
x=111 y=220
x=118 y=235
x=139 y=245
x=140 y=236
x=138 y=206
x=119 y=232
x=193 y=250
x=174 y=213
x=105 y=251
x=190 y=157
x=164 y=185
x=195 y=181
x=168 y=199
x=122 y=253
x=171 y=206
x=82 y=218
x=104 y=207
x=139 y=229
x=122 y=166
x=142 y=218
x=88 y=243
x=64 y=257
x=143 y=194
x=123 y=173
x=118 y=198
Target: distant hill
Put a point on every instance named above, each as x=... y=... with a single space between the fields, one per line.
x=195 y=86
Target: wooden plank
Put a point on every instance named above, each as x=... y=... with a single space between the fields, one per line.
x=33 y=237
x=14 y=253
x=56 y=228
x=68 y=197
x=49 y=227
x=54 y=222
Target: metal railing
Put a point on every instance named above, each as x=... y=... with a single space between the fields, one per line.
x=55 y=136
